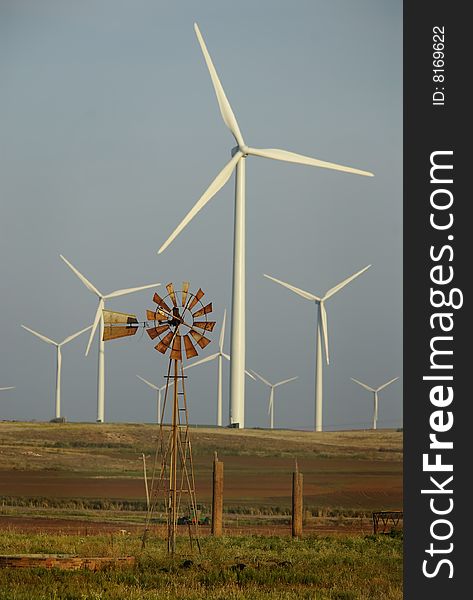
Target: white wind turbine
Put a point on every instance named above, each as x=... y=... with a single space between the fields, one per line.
x=3 y=389
x=98 y=320
x=218 y=355
x=321 y=330
x=58 y=359
x=158 y=398
x=237 y=163
x=272 y=387
x=375 y=395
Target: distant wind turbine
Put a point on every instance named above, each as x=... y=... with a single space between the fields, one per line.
x=158 y=398
x=375 y=395
x=237 y=164
x=98 y=322
x=321 y=330
x=272 y=387
x=218 y=355
x=58 y=346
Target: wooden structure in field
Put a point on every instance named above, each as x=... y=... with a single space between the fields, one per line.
x=178 y=324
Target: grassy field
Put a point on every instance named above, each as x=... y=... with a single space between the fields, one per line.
x=243 y=568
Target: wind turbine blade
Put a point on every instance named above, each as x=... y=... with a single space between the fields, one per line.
x=11 y=387
x=285 y=381
x=224 y=104
x=222 y=332
x=343 y=283
x=210 y=192
x=40 y=336
x=304 y=294
x=386 y=384
x=286 y=156
x=201 y=361
x=74 y=335
x=323 y=314
x=84 y=280
x=151 y=385
x=247 y=372
x=367 y=387
x=98 y=316
x=260 y=377
x=131 y=290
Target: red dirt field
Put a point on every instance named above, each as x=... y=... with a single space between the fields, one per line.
x=350 y=483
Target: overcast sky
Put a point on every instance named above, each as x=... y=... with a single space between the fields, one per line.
x=111 y=132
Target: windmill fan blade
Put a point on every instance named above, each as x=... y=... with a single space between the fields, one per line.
x=200 y=294
x=303 y=293
x=176 y=353
x=84 y=280
x=284 y=155
x=123 y=292
x=40 y=336
x=207 y=325
x=210 y=192
x=153 y=332
x=189 y=347
x=160 y=302
x=170 y=289
x=323 y=314
x=200 y=339
x=367 y=387
x=285 y=381
x=224 y=104
x=157 y=315
x=260 y=377
x=387 y=383
x=203 y=311
x=342 y=284
x=98 y=316
x=202 y=361
x=164 y=344
x=151 y=385
x=74 y=335
x=222 y=332
x=185 y=289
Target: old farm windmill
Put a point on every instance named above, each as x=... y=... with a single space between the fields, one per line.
x=178 y=324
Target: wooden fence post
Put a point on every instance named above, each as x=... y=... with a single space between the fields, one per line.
x=217 y=497
x=297 y=491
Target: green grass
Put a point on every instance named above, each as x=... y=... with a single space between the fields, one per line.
x=240 y=568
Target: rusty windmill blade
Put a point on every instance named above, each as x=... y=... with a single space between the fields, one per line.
x=157 y=315
x=172 y=295
x=165 y=343
x=154 y=332
x=206 y=325
x=185 y=290
x=196 y=299
x=199 y=338
x=203 y=311
x=189 y=347
x=176 y=353
x=160 y=302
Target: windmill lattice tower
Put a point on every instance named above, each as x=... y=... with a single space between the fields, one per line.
x=172 y=478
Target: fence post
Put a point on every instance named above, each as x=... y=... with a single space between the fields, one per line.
x=217 y=497
x=297 y=487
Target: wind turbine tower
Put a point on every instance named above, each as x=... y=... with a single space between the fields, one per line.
x=272 y=387
x=98 y=322
x=58 y=346
x=237 y=163
x=321 y=331
x=375 y=396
